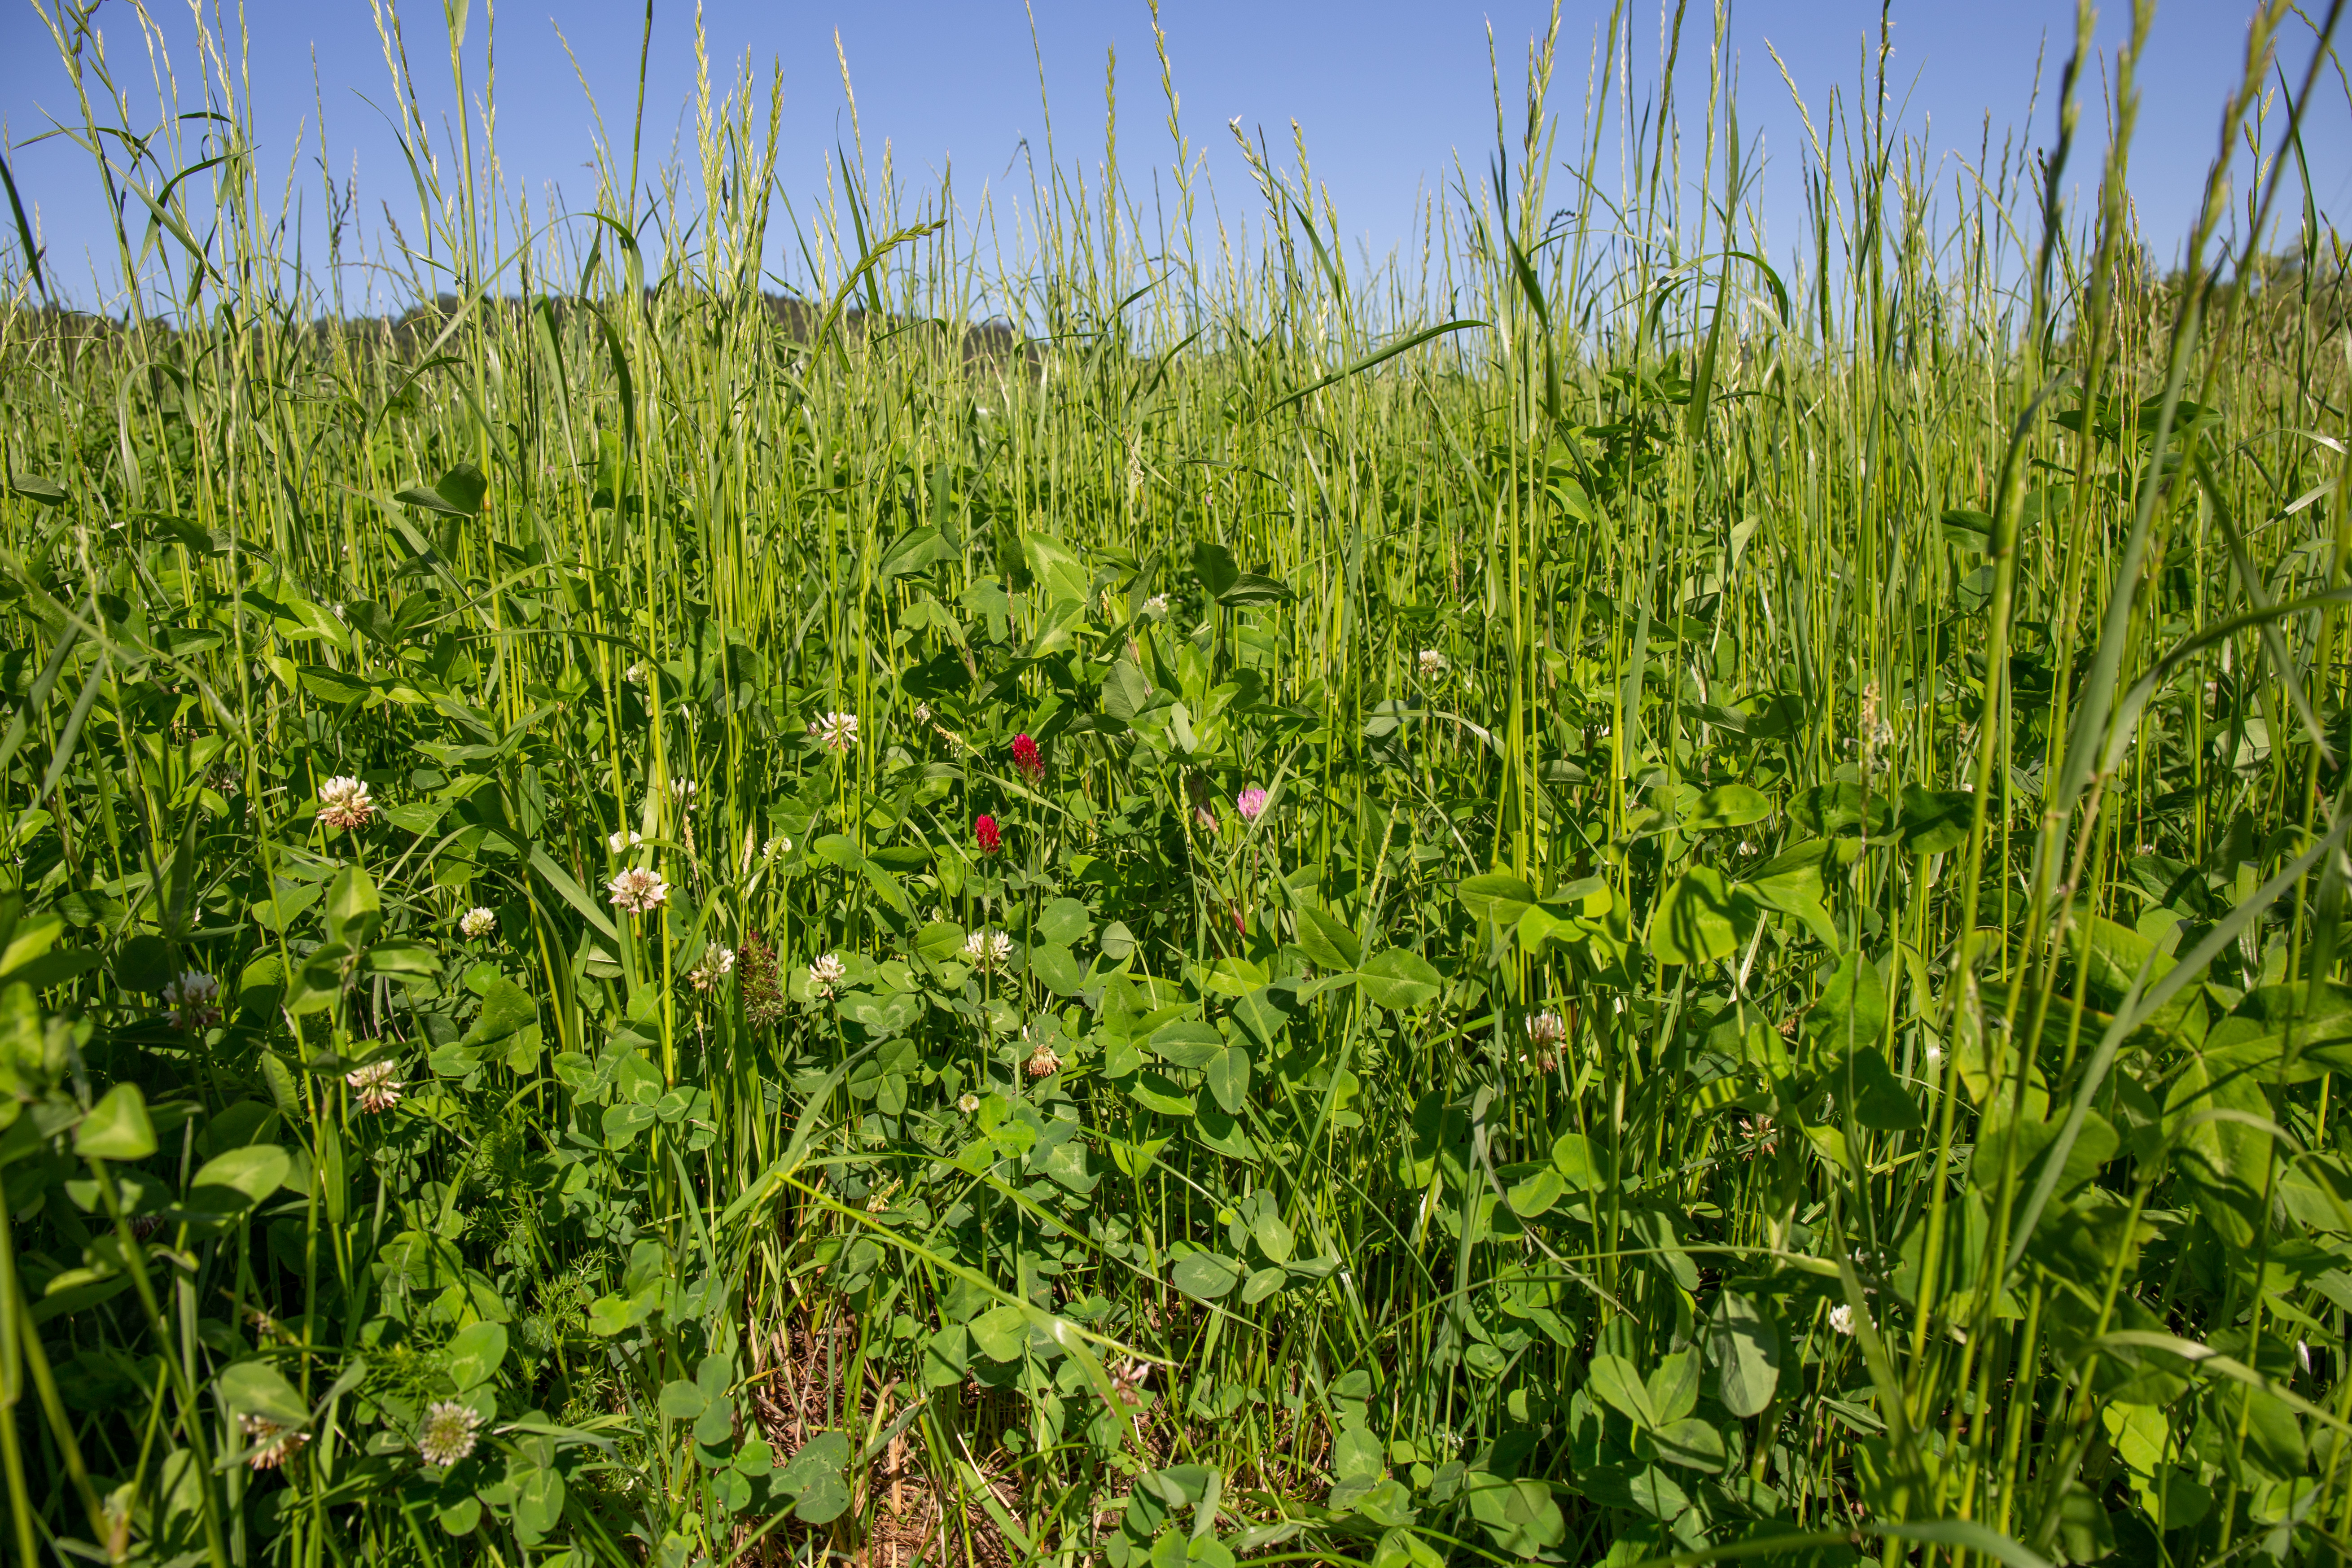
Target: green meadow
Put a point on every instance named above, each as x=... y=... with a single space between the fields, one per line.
x=1106 y=885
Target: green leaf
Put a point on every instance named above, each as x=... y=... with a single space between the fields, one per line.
x=1792 y=883
x=2217 y=1121
x=1399 y=979
x=940 y=941
x=1253 y=588
x=1880 y=1101
x=1852 y=1012
x=1057 y=969
x=1691 y=1443
x=1613 y=1379
x=117 y=1127
x=1326 y=941
x=1228 y=1078
x=1583 y=1164
x=236 y=1181
x=813 y=1479
x=1206 y=1275
x=1156 y=1091
x=681 y=1400
x=257 y=1388
x=1694 y=920
x=1066 y=921
x=1725 y=805
x=1213 y=565
x=1000 y=1334
x=1495 y=898
x=916 y=552
x=353 y=908
x=475 y=1353
x=506 y=1006
x=1744 y=1346
x=37 y=489
x=1262 y=1284
x=1537 y=1192
x=1935 y=821
x=145 y=963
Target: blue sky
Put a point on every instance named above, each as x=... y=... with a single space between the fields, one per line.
x=1387 y=93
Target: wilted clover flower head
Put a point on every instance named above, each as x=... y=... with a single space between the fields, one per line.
x=716 y=965
x=270 y=1444
x=1043 y=1062
x=825 y=973
x=838 y=731
x=343 y=803
x=377 y=1089
x=1546 y=1029
x=478 y=922
x=194 y=999
x=637 y=890
x=447 y=1435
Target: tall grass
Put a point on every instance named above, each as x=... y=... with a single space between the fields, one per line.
x=1781 y=997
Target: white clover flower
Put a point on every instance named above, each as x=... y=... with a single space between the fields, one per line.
x=922 y=712
x=773 y=848
x=1546 y=1029
x=635 y=675
x=1156 y=606
x=968 y=1104
x=623 y=841
x=825 y=973
x=194 y=999
x=716 y=965
x=1841 y=1319
x=682 y=791
x=986 y=950
x=478 y=922
x=1433 y=663
x=838 y=731
x=637 y=890
x=270 y=1444
x=343 y=803
x=447 y=1435
x=377 y=1089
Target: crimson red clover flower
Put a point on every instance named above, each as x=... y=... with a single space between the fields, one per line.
x=984 y=828
x=1025 y=758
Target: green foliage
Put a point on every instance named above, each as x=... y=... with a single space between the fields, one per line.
x=1627 y=926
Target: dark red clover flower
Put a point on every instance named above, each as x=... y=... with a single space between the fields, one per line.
x=1025 y=758
x=984 y=828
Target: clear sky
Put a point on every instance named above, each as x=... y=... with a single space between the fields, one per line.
x=1387 y=93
